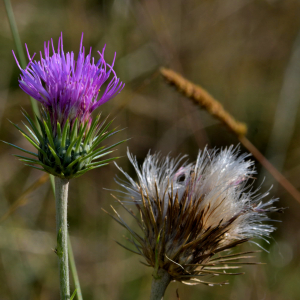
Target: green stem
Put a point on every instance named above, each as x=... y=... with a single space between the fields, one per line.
x=74 y=271
x=52 y=183
x=20 y=51
x=61 y=199
x=159 y=285
x=22 y=58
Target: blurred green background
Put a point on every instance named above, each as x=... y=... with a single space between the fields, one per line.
x=244 y=52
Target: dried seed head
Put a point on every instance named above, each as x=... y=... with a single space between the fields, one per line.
x=190 y=213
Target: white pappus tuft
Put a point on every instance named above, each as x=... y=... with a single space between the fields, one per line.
x=192 y=211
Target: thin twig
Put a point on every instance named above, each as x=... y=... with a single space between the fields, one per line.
x=271 y=169
x=177 y=294
x=23 y=199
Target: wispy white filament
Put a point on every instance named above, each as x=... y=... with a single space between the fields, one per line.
x=218 y=179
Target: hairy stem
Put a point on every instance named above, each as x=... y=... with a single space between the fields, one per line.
x=159 y=284
x=61 y=199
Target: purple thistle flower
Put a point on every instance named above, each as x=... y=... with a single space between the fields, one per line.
x=68 y=88
x=66 y=137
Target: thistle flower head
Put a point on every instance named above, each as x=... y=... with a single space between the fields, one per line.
x=190 y=214
x=67 y=136
x=68 y=88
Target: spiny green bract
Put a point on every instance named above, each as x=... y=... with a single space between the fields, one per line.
x=67 y=152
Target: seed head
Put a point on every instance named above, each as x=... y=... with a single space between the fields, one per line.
x=191 y=214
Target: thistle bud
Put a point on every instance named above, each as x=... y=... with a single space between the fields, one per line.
x=191 y=215
x=67 y=136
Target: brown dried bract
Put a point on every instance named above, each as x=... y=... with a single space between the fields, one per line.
x=179 y=241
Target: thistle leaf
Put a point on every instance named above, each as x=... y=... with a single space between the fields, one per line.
x=30 y=160
x=101 y=155
x=40 y=169
x=73 y=135
x=58 y=131
x=95 y=143
x=64 y=134
x=73 y=295
x=49 y=134
x=69 y=150
x=96 y=152
x=80 y=136
x=74 y=162
x=57 y=159
x=22 y=131
x=34 y=144
x=42 y=127
x=32 y=124
x=21 y=149
x=101 y=162
x=100 y=139
x=81 y=172
x=91 y=131
x=98 y=166
x=32 y=134
x=99 y=127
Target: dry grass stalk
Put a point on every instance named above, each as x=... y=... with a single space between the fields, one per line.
x=205 y=100
x=177 y=294
x=23 y=199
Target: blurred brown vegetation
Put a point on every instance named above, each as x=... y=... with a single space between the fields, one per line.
x=244 y=52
